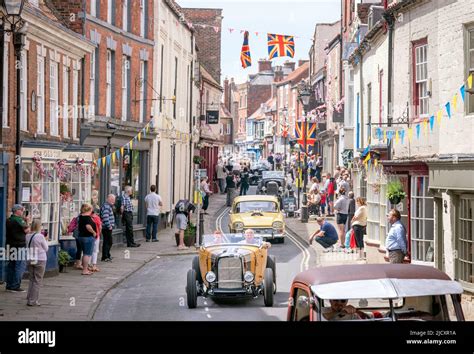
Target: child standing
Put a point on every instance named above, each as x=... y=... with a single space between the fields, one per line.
x=322 y=203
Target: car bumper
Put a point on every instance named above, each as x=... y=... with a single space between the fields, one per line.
x=243 y=292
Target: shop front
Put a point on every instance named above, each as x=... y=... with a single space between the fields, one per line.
x=3 y=203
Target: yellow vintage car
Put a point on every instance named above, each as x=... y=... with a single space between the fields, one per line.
x=261 y=213
x=232 y=265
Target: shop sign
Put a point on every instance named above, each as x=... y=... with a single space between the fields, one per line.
x=212 y=117
x=42 y=153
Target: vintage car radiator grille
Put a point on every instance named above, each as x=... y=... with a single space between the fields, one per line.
x=229 y=273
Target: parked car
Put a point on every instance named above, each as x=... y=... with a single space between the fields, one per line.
x=262 y=213
x=376 y=292
x=229 y=265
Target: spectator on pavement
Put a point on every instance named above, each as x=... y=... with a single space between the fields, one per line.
x=359 y=223
x=322 y=203
x=351 y=212
x=87 y=233
x=244 y=181
x=396 y=241
x=127 y=216
x=183 y=211
x=108 y=224
x=230 y=186
x=153 y=203
x=337 y=172
x=319 y=167
x=326 y=236
x=98 y=222
x=37 y=257
x=315 y=185
x=221 y=175
x=16 y=228
x=206 y=192
x=330 y=187
x=342 y=208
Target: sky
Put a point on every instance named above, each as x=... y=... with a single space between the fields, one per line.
x=289 y=17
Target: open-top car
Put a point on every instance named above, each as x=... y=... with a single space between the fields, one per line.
x=232 y=265
x=375 y=292
x=260 y=213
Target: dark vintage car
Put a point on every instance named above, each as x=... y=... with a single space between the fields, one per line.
x=231 y=265
x=256 y=173
x=272 y=183
x=375 y=292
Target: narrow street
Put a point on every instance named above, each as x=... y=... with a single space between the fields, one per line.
x=157 y=291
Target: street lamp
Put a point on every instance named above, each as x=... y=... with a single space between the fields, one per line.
x=10 y=15
x=304 y=96
x=285 y=137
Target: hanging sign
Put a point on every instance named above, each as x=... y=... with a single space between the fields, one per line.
x=212 y=117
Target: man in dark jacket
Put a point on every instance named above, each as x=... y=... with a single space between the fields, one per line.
x=17 y=228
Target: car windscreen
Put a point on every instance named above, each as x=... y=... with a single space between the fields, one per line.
x=359 y=309
x=231 y=239
x=250 y=206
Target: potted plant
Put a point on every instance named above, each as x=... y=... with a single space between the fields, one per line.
x=189 y=235
x=395 y=192
x=198 y=160
x=63 y=260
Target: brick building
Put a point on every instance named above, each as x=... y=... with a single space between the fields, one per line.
x=118 y=92
x=55 y=170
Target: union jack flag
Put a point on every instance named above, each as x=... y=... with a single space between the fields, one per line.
x=280 y=46
x=300 y=133
x=245 y=57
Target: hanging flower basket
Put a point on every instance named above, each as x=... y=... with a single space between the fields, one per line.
x=395 y=192
x=198 y=159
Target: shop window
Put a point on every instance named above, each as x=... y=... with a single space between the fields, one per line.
x=40 y=195
x=465 y=241
x=421 y=221
x=420 y=78
x=376 y=205
x=470 y=66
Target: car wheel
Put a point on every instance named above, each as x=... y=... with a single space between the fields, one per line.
x=281 y=240
x=271 y=263
x=197 y=269
x=268 y=287
x=191 y=289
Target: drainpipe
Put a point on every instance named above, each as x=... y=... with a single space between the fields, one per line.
x=390 y=19
x=361 y=97
x=191 y=83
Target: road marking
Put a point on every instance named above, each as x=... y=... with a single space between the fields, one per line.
x=304 y=265
x=206 y=309
x=219 y=219
x=209 y=316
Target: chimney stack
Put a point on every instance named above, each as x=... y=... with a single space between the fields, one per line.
x=279 y=75
x=264 y=65
x=290 y=64
x=301 y=62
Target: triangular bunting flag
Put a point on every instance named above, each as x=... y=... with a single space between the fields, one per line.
x=469 y=82
x=418 y=127
x=439 y=116
x=121 y=150
x=113 y=157
x=376 y=162
x=117 y=154
x=139 y=136
x=367 y=158
x=147 y=128
x=397 y=137
x=216 y=29
x=108 y=160
x=402 y=136
x=463 y=92
x=432 y=123
x=99 y=163
x=103 y=161
x=245 y=57
x=455 y=101
x=384 y=135
x=144 y=132
x=131 y=144
x=425 y=127
x=448 y=109
x=410 y=134
x=231 y=30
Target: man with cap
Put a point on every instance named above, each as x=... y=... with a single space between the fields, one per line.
x=17 y=227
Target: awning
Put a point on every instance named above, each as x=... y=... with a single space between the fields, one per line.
x=451 y=173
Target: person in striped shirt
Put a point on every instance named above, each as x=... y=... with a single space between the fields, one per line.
x=108 y=224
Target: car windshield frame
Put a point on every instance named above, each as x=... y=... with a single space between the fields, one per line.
x=238 y=210
x=230 y=239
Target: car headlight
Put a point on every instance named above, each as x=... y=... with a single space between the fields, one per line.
x=280 y=189
x=249 y=277
x=238 y=225
x=264 y=189
x=210 y=277
x=277 y=225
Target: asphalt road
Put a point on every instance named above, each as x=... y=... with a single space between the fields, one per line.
x=157 y=291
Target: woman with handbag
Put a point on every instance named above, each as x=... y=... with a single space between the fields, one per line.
x=37 y=257
x=359 y=223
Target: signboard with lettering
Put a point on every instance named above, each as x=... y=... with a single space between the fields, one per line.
x=273 y=174
x=212 y=117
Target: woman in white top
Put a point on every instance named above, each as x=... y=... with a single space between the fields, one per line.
x=37 y=257
x=359 y=223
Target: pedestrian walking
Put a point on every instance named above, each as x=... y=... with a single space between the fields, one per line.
x=351 y=212
x=127 y=216
x=221 y=175
x=206 y=193
x=319 y=167
x=326 y=236
x=244 y=181
x=108 y=224
x=87 y=233
x=37 y=257
x=183 y=210
x=396 y=241
x=230 y=186
x=153 y=202
x=342 y=208
x=330 y=187
x=359 y=224
x=16 y=227
x=95 y=252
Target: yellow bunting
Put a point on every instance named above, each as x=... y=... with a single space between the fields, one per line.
x=367 y=158
x=397 y=138
x=121 y=150
x=376 y=162
x=410 y=133
x=425 y=127
x=131 y=144
x=469 y=81
x=455 y=101
x=103 y=161
x=439 y=115
x=113 y=157
x=384 y=135
x=139 y=136
x=147 y=129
